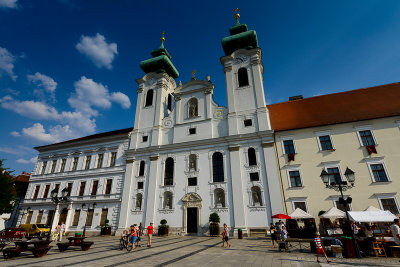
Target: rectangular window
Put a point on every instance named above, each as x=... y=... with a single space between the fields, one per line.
x=39 y=216
x=87 y=162
x=192 y=130
x=49 y=217
x=69 y=187
x=326 y=143
x=29 y=217
x=76 y=217
x=192 y=181
x=82 y=189
x=113 y=158
x=94 y=187
x=289 y=147
x=248 y=123
x=379 y=173
x=144 y=138
x=44 y=167
x=108 y=186
x=46 y=191
x=100 y=160
x=103 y=218
x=334 y=175
x=89 y=217
x=301 y=205
x=75 y=164
x=35 y=194
x=295 y=179
x=57 y=187
x=53 y=166
x=140 y=185
x=62 y=167
x=390 y=205
x=366 y=138
x=254 y=176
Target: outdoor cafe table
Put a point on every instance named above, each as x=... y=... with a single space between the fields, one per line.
x=75 y=241
x=39 y=248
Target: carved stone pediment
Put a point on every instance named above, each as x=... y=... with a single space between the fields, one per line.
x=191 y=197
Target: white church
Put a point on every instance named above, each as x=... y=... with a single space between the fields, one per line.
x=185 y=158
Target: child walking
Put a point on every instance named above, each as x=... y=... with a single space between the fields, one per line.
x=225 y=236
x=320 y=249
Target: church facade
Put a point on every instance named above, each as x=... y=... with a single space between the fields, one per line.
x=185 y=158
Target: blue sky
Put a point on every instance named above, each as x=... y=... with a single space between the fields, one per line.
x=68 y=67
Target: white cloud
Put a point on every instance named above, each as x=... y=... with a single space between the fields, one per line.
x=98 y=50
x=8 y=4
x=121 y=99
x=16 y=150
x=7 y=62
x=89 y=93
x=27 y=161
x=30 y=109
x=16 y=134
x=45 y=82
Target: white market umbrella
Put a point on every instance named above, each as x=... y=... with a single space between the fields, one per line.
x=372 y=208
x=372 y=216
x=333 y=213
x=300 y=214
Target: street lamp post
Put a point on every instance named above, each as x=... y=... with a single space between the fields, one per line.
x=87 y=210
x=340 y=185
x=56 y=200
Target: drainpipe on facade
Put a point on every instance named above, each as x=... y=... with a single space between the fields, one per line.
x=280 y=175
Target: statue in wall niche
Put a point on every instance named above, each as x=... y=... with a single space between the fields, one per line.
x=192 y=164
x=192 y=110
x=256 y=197
x=168 y=202
x=139 y=203
x=219 y=198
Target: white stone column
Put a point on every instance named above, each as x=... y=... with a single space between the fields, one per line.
x=151 y=189
x=208 y=104
x=273 y=180
x=239 y=215
x=126 y=195
x=69 y=216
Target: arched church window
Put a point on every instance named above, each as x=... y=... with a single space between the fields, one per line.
x=219 y=196
x=149 y=98
x=139 y=200
x=256 y=196
x=192 y=108
x=192 y=162
x=141 y=168
x=168 y=200
x=242 y=77
x=169 y=102
x=169 y=171
x=218 y=167
x=251 y=153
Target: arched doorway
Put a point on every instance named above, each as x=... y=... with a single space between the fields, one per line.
x=192 y=213
x=63 y=215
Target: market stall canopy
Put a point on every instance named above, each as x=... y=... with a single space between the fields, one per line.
x=372 y=216
x=300 y=214
x=372 y=208
x=280 y=216
x=333 y=213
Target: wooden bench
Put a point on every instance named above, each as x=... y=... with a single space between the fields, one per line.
x=9 y=253
x=84 y=245
x=39 y=249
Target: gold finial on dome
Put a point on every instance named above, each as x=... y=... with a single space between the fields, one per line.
x=162 y=37
x=237 y=15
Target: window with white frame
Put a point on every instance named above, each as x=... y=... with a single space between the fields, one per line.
x=295 y=178
x=378 y=172
x=366 y=136
x=300 y=204
x=325 y=142
x=334 y=175
x=340 y=206
x=390 y=204
x=288 y=148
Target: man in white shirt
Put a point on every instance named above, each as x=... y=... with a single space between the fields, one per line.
x=62 y=232
x=396 y=231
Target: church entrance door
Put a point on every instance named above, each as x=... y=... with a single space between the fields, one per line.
x=192 y=220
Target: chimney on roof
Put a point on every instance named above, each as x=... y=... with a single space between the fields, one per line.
x=296 y=97
x=23 y=172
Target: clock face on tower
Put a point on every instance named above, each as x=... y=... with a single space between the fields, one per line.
x=240 y=59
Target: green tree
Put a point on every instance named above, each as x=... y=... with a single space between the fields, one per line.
x=8 y=193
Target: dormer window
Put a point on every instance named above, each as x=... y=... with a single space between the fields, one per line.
x=149 y=98
x=192 y=108
x=242 y=77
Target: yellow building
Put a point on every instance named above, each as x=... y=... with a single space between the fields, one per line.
x=358 y=129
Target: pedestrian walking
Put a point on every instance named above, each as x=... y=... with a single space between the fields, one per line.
x=320 y=249
x=225 y=236
x=140 y=234
x=133 y=236
x=150 y=229
x=63 y=228
x=58 y=232
x=274 y=235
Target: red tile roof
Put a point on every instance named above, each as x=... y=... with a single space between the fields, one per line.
x=356 y=105
x=23 y=177
x=94 y=136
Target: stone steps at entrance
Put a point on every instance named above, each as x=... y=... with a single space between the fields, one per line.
x=257 y=232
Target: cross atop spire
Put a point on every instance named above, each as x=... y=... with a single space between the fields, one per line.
x=237 y=15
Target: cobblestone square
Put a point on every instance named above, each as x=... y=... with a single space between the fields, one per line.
x=185 y=251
